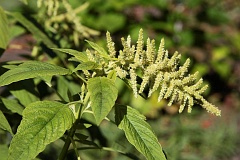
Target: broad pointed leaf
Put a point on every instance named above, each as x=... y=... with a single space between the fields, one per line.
x=138 y=132
x=81 y=56
x=89 y=65
x=43 y=122
x=103 y=94
x=31 y=69
x=4 y=31
x=4 y=123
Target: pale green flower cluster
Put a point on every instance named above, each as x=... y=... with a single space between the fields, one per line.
x=56 y=21
x=149 y=70
x=158 y=73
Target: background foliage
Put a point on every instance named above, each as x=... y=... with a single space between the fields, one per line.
x=206 y=31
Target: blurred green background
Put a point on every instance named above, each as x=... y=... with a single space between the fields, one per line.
x=207 y=31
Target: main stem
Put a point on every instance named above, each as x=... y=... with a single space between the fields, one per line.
x=73 y=129
x=67 y=142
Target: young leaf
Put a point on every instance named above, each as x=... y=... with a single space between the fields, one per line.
x=4 y=123
x=43 y=122
x=4 y=30
x=103 y=94
x=89 y=65
x=31 y=69
x=112 y=75
x=81 y=56
x=99 y=49
x=138 y=132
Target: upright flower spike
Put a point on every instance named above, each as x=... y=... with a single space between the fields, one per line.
x=125 y=54
x=133 y=81
x=172 y=63
x=150 y=50
x=110 y=45
x=157 y=82
x=160 y=53
x=203 y=89
x=139 y=48
x=39 y=3
x=158 y=71
x=129 y=41
x=144 y=83
x=90 y=56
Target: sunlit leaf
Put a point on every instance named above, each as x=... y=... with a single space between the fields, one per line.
x=99 y=49
x=81 y=56
x=138 y=132
x=43 y=122
x=31 y=69
x=103 y=94
x=89 y=65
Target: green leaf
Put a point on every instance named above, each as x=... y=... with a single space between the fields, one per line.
x=47 y=80
x=12 y=105
x=138 y=132
x=43 y=122
x=112 y=75
x=3 y=151
x=99 y=49
x=31 y=69
x=25 y=97
x=4 y=31
x=4 y=123
x=89 y=65
x=81 y=56
x=25 y=92
x=103 y=94
x=64 y=86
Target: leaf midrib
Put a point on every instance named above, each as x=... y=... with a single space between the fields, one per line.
x=132 y=126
